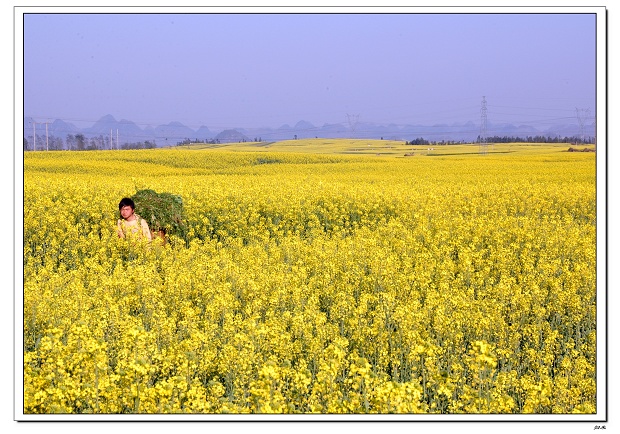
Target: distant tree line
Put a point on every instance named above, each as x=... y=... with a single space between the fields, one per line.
x=186 y=141
x=538 y=139
x=190 y=141
x=139 y=145
x=420 y=141
x=423 y=142
x=507 y=139
x=73 y=142
x=79 y=142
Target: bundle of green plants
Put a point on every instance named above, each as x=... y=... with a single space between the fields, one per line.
x=162 y=211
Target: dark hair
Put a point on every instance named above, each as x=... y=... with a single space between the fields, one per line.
x=126 y=202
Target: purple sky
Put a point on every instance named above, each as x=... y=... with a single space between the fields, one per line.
x=254 y=70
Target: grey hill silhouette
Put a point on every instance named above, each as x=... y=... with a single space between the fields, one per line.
x=127 y=132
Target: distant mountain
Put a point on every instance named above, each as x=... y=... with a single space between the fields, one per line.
x=174 y=133
x=61 y=128
x=103 y=126
x=567 y=130
x=231 y=136
x=149 y=131
x=204 y=133
x=334 y=130
x=304 y=125
x=56 y=128
x=107 y=126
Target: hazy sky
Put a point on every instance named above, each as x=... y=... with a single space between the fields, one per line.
x=254 y=70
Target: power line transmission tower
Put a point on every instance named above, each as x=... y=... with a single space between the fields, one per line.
x=47 y=141
x=34 y=135
x=483 y=127
x=352 y=120
x=582 y=116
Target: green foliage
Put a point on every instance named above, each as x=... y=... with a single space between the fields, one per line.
x=162 y=211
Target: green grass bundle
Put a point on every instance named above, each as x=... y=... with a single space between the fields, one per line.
x=162 y=211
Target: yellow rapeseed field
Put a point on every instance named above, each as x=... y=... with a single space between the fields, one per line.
x=313 y=282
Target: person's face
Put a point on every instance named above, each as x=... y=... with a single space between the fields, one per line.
x=126 y=212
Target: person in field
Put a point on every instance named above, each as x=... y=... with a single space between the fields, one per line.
x=131 y=225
